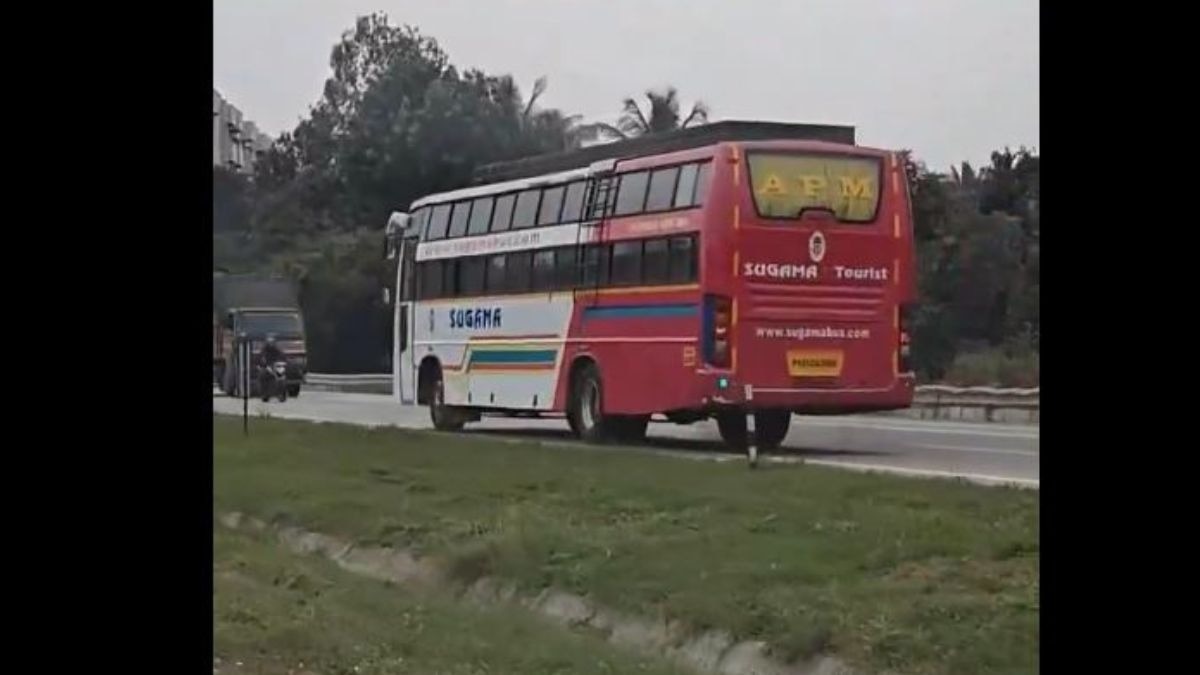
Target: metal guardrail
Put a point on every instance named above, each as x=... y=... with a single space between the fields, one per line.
x=939 y=396
x=935 y=395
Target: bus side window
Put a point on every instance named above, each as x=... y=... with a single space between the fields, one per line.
x=438 y=222
x=459 y=219
x=470 y=276
x=683 y=259
x=502 y=217
x=566 y=268
x=655 y=262
x=495 y=282
x=408 y=277
x=431 y=280
x=552 y=199
x=631 y=195
x=543 y=270
x=702 y=179
x=420 y=219
x=449 y=278
x=518 y=271
x=595 y=265
x=481 y=215
x=686 y=185
x=527 y=207
x=627 y=263
x=662 y=189
x=572 y=210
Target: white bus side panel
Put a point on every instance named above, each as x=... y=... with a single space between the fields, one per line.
x=502 y=352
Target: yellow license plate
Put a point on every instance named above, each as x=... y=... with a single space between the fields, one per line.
x=814 y=363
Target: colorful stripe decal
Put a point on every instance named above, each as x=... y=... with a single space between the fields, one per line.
x=512 y=357
x=513 y=338
x=641 y=311
x=492 y=359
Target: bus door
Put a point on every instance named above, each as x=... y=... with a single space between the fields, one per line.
x=402 y=239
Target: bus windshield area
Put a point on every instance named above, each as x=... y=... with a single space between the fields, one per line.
x=786 y=185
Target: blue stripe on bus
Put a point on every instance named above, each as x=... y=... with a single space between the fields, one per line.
x=640 y=311
x=514 y=356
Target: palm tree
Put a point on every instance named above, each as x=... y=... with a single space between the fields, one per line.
x=663 y=116
x=546 y=129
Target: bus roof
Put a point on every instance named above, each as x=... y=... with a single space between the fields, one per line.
x=683 y=139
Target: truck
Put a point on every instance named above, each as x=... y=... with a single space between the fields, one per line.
x=252 y=307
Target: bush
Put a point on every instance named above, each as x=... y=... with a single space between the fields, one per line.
x=996 y=368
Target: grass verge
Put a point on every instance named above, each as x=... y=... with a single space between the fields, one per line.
x=277 y=613
x=916 y=576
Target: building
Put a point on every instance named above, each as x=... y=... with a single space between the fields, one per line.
x=236 y=142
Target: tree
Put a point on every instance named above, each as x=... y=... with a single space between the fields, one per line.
x=231 y=201
x=662 y=115
x=395 y=121
x=976 y=233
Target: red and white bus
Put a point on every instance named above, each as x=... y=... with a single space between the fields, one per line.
x=737 y=270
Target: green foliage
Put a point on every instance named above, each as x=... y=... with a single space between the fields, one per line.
x=995 y=367
x=396 y=121
x=231 y=201
x=977 y=235
x=891 y=574
x=662 y=115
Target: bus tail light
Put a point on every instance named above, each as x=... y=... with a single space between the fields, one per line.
x=718 y=317
x=904 y=340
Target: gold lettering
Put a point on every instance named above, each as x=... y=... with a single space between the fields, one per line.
x=856 y=187
x=773 y=186
x=814 y=186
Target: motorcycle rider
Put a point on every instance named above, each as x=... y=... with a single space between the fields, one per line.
x=268 y=355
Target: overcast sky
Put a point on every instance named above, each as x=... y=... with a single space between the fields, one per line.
x=951 y=79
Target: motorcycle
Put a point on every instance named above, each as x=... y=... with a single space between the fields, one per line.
x=273 y=380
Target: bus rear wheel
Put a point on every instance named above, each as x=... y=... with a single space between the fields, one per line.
x=770 y=428
x=585 y=409
x=586 y=416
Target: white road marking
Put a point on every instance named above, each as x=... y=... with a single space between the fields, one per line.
x=975 y=449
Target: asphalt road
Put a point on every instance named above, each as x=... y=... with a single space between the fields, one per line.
x=983 y=453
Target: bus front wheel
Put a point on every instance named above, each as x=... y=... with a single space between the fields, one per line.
x=444 y=417
x=770 y=428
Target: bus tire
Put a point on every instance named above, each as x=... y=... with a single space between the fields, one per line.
x=770 y=428
x=587 y=396
x=444 y=417
x=732 y=426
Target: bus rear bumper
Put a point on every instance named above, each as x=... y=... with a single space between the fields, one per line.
x=807 y=400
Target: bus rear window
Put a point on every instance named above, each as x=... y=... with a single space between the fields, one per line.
x=787 y=185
